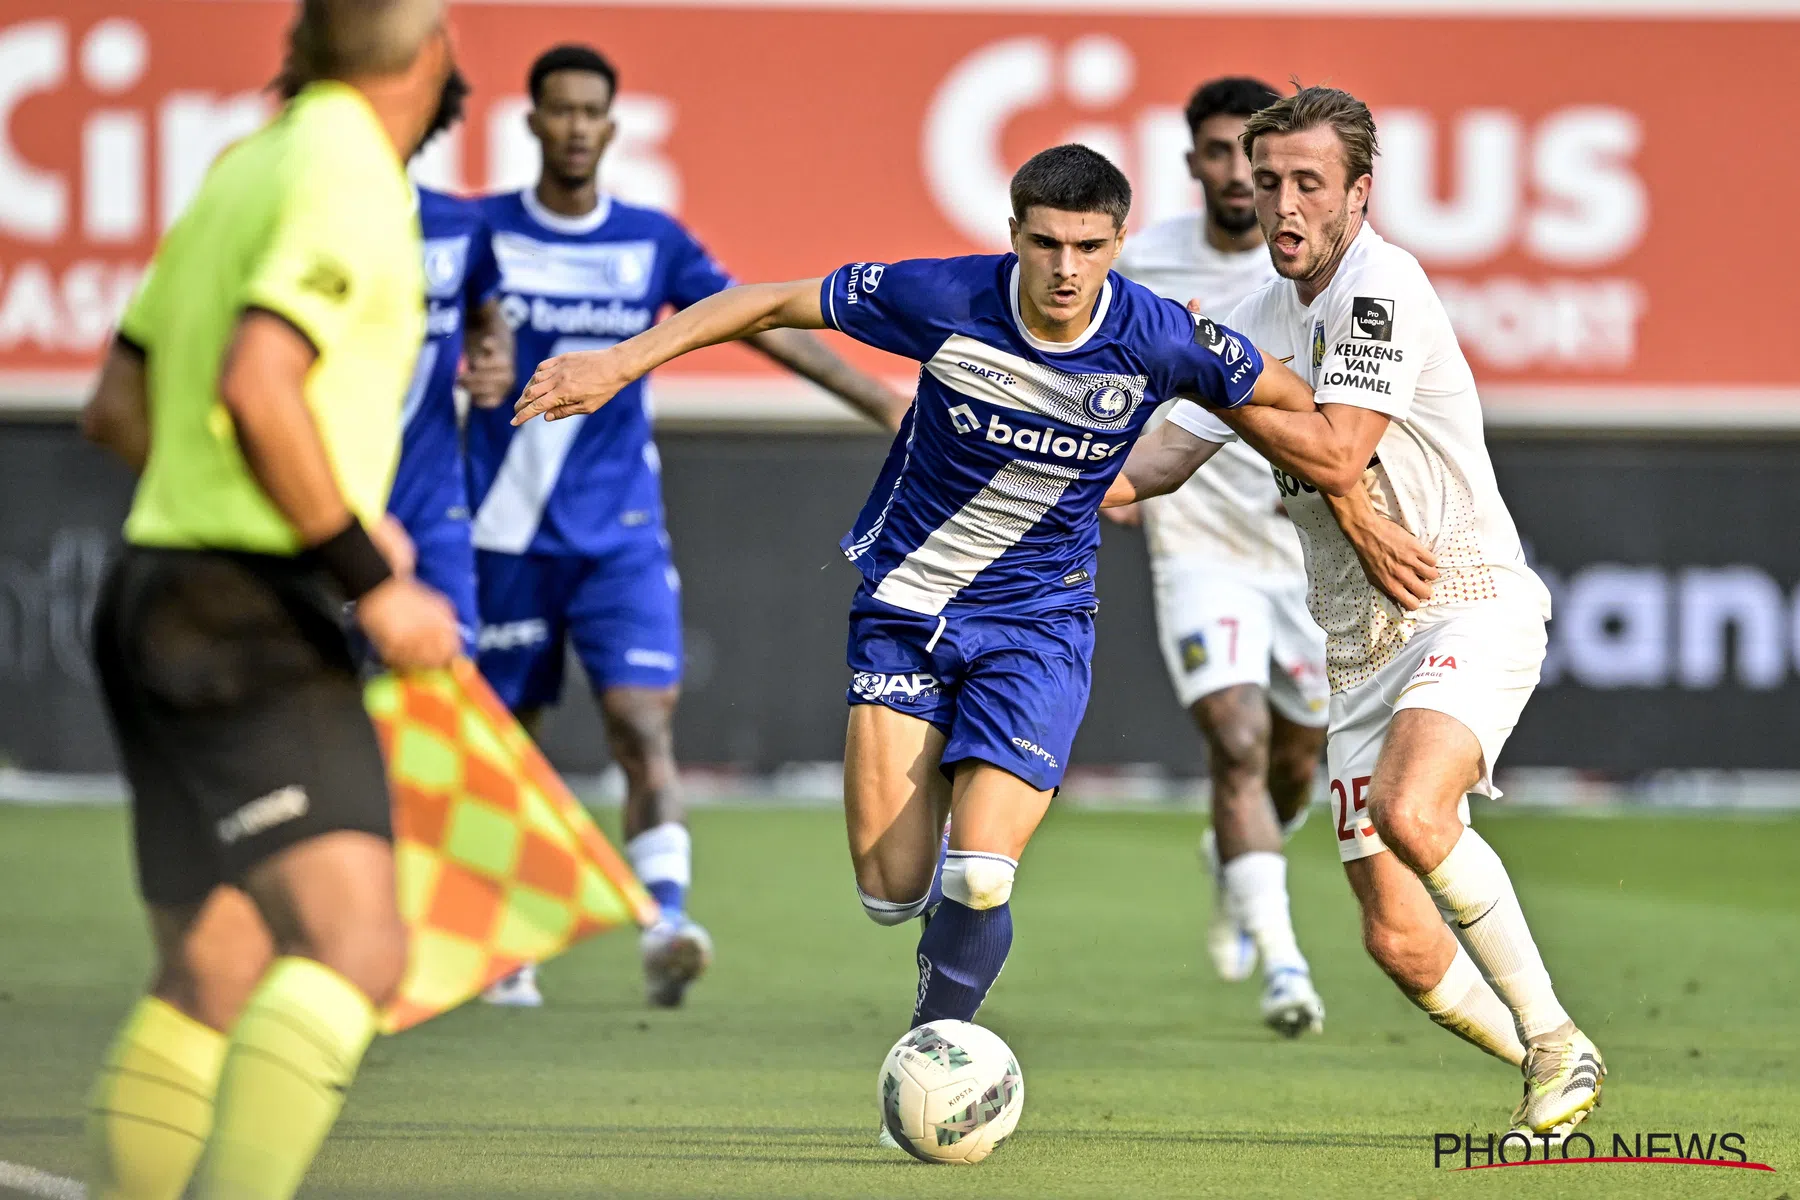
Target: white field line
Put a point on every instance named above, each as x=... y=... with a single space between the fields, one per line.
x=34 y=1182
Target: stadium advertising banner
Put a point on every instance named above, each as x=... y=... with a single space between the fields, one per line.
x=1675 y=572
x=1580 y=186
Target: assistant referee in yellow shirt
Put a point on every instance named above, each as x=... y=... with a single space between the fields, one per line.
x=256 y=382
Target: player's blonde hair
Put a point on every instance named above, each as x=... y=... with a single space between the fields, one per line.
x=1311 y=107
x=348 y=39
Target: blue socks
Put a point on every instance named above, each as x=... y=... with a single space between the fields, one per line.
x=960 y=955
x=669 y=894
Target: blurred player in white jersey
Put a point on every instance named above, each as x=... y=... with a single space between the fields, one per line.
x=1246 y=658
x=1422 y=701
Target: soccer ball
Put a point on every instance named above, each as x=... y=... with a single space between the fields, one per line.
x=950 y=1092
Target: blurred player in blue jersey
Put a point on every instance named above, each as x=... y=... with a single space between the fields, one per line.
x=971 y=635
x=569 y=516
x=467 y=343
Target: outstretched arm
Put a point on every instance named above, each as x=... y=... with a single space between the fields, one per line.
x=810 y=358
x=1160 y=462
x=581 y=382
x=1329 y=447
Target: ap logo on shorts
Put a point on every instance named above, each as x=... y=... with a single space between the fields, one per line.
x=1107 y=403
x=894 y=690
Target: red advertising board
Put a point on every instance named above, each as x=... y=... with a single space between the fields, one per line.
x=1603 y=201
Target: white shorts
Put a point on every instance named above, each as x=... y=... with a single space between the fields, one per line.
x=1220 y=628
x=1479 y=666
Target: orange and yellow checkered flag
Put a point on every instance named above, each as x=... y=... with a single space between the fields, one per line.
x=498 y=864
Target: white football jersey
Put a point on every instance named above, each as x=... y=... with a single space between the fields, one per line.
x=1230 y=511
x=1379 y=338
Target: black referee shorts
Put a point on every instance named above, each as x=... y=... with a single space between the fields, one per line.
x=235 y=704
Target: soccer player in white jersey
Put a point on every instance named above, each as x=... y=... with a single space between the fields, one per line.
x=1246 y=658
x=1422 y=702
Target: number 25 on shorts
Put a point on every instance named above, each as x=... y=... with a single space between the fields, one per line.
x=1348 y=801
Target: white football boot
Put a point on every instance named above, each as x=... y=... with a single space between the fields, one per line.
x=518 y=990
x=675 y=954
x=1290 y=1005
x=1232 y=948
x=1562 y=1086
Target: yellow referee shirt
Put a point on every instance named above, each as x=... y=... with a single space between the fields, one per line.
x=312 y=218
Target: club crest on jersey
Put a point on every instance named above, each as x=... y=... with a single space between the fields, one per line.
x=1318 y=349
x=1107 y=403
x=445 y=260
x=1193 y=651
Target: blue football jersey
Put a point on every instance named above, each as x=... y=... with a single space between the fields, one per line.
x=991 y=491
x=587 y=484
x=430 y=485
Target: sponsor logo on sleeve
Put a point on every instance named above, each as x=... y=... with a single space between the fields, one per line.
x=328 y=279
x=1207 y=334
x=1372 y=319
x=861 y=280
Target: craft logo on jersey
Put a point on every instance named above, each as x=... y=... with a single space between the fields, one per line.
x=1107 y=403
x=963 y=419
x=1371 y=319
x=894 y=689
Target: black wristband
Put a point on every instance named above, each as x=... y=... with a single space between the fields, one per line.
x=352 y=560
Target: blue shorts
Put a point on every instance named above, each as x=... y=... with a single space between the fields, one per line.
x=446 y=561
x=622 y=613
x=1005 y=688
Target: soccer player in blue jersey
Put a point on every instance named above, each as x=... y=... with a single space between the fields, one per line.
x=468 y=344
x=971 y=635
x=569 y=516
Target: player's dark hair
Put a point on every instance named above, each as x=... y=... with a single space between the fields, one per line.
x=1311 y=107
x=1232 y=96
x=1071 y=178
x=570 y=57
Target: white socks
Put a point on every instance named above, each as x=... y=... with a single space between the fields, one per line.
x=1463 y=1003
x=1475 y=896
x=1255 y=888
x=663 y=854
x=1292 y=825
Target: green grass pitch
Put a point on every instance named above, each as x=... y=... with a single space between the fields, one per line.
x=1674 y=940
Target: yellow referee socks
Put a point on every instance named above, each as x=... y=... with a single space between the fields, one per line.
x=293 y=1054
x=152 y=1106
